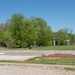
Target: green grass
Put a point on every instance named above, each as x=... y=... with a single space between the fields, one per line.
x=63 y=47
x=11 y=61
x=38 y=60
x=69 y=69
x=61 y=61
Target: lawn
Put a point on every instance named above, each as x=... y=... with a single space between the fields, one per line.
x=38 y=60
x=63 y=47
x=58 y=61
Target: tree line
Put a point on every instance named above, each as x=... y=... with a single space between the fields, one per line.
x=21 y=32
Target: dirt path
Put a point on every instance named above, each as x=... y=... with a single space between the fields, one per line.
x=34 y=70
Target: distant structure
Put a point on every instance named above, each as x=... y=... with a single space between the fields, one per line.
x=67 y=42
x=56 y=41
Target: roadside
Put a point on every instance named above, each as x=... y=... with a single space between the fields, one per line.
x=13 y=68
x=15 y=58
x=34 y=69
x=21 y=55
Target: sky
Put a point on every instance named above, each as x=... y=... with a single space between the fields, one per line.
x=57 y=13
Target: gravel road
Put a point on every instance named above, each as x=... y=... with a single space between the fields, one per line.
x=33 y=70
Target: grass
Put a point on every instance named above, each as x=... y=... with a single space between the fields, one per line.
x=69 y=69
x=11 y=61
x=61 y=61
x=63 y=47
x=38 y=60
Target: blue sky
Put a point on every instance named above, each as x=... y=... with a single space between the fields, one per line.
x=57 y=13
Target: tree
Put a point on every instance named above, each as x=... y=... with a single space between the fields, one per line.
x=21 y=32
x=62 y=34
x=45 y=32
x=31 y=30
x=8 y=40
x=1 y=36
x=3 y=29
x=16 y=25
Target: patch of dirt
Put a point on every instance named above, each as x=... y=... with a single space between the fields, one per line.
x=34 y=70
x=59 y=56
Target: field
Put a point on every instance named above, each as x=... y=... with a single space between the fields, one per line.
x=61 y=61
x=63 y=47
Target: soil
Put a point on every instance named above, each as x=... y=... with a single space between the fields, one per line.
x=34 y=70
x=59 y=56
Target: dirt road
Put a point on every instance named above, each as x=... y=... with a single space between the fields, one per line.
x=34 y=70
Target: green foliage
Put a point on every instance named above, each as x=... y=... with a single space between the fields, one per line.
x=29 y=31
x=31 y=28
x=16 y=29
x=1 y=36
x=45 y=33
x=8 y=40
x=21 y=32
x=62 y=34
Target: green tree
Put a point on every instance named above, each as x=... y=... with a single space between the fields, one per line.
x=31 y=29
x=45 y=32
x=16 y=29
x=8 y=39
x=62 y=34
x=1 y=36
